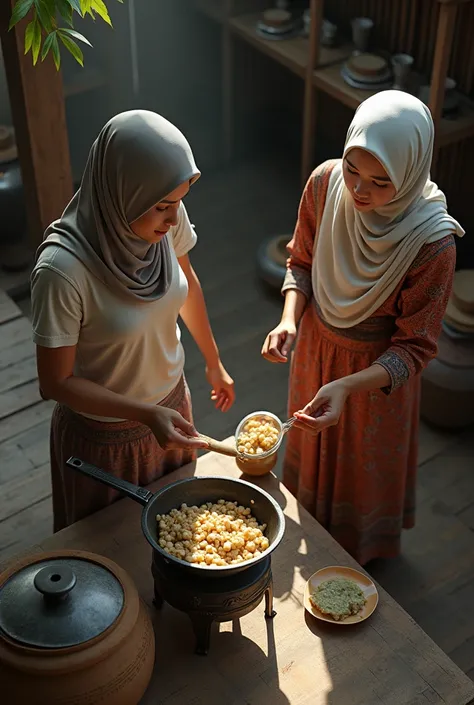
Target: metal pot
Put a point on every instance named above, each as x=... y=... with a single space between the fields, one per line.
x=73 y=629
x=196 y=491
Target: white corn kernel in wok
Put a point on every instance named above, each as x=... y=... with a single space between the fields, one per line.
x=214 y=534
x=257 y=436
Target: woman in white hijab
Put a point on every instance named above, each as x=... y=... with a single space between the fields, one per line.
x=111 y=278
x=368 y=280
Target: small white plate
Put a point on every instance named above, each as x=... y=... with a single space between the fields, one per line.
x=363 y=581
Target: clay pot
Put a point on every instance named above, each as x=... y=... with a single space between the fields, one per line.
x=73 y=629
x=447 y=391
x=271 y=260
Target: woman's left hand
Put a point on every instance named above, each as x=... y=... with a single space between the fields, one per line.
x=222 y=387
x=325 y=409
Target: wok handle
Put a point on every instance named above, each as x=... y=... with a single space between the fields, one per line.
x=139 y=494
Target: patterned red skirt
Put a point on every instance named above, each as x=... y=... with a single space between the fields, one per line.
x=125 y=449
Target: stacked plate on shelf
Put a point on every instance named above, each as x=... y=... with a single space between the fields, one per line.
x=278 y=24
x=368 y=72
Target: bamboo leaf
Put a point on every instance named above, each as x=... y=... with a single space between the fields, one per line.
x=99 y=7
x=36 y=45
x=47 y=44
x=76 y=35
x=56 y=52
x=65 y=10
x=72 y=47
x=45 y=11
x=20 y=10
x=29 y=34
x=76 y=6
x=86 y=7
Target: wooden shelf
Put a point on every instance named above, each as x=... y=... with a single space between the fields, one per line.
x=330 y=81
x=450 y=130
x=292 y=53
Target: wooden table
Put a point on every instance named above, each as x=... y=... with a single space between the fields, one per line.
x=294 y=659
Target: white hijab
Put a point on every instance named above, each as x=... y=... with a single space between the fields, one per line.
x=359 y=258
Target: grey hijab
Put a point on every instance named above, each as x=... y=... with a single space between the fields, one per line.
x=136 y=161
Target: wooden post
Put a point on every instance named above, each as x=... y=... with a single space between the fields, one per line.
x=37 y=104
x=227 y=84
x=309 y=108
x=444 y=41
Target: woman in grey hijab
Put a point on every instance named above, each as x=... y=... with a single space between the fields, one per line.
x=111 y=278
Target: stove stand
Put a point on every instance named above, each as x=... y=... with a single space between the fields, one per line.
x=207 y=600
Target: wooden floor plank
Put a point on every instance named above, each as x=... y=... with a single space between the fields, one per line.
x=17 y=374
x=18 y=399
x=434 y=441
x=8 y=308
x=23 y=453
x=26 y=528
x=13 y=332
x=23 y=420
x=21 y=492
x=22 y=350
x=13 y=462
x=450 y=476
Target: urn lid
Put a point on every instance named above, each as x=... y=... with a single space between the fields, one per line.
x=59 y=602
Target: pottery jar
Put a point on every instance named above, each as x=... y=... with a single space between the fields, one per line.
x=73 y=631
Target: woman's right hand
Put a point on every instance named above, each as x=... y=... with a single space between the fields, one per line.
x=278 y=342
x=171 y=430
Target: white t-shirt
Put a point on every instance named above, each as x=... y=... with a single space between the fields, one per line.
x=128 y=346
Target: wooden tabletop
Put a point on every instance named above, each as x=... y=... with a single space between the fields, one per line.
x=294 y=659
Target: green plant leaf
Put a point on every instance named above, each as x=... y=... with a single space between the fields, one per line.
x=56 y=52
x=72 y=47
x=76 y=35
x=36 y=44
x=86 y=7
x=47 y=44
x=76 y=6
x=29 y=34
x=65 y=10
x=45 y=11
x=99 y=7
x=20 y=10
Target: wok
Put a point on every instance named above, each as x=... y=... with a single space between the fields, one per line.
x=196 y=491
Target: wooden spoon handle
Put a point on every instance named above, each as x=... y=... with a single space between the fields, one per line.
x=219 y=446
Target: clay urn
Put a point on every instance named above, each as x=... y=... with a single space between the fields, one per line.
x=73 y=631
